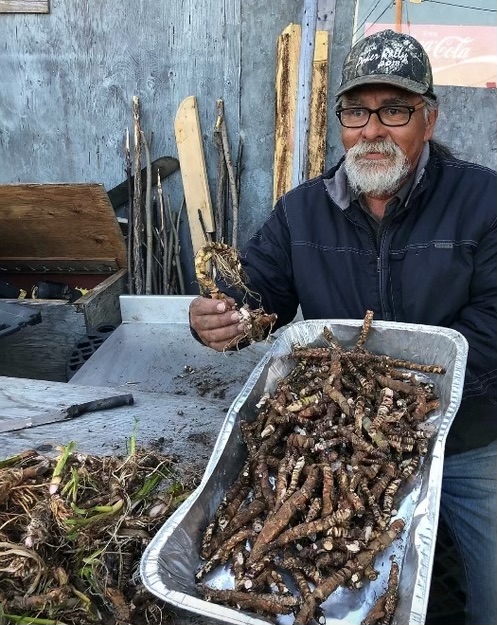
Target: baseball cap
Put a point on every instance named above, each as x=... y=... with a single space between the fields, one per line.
x=391 y=58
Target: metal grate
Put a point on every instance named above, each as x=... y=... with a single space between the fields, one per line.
x=86 y=346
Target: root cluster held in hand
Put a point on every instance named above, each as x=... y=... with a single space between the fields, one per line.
x=72 y=532
x=316 y=500
x=223 y=260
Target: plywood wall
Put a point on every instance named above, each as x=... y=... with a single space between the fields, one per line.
x=67 y=79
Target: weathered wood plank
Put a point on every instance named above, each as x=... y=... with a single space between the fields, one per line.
x=24 y=6
x=190 y=434
x=42 y=351
x=67 y=221
x=101 y=304
x=194 y=172
x=318 y=120
x=287 y=70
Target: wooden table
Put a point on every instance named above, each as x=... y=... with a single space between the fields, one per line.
x=182 y=392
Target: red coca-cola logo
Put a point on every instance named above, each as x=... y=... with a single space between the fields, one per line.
x=450 y=47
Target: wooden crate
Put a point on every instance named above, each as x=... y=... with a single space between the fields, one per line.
x=65 y=233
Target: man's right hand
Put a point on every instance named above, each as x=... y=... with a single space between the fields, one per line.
x=216 y=322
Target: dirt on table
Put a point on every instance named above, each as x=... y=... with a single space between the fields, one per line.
x=205 y=380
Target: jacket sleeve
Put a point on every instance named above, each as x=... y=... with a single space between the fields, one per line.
x=477 y=321
x=267 y=263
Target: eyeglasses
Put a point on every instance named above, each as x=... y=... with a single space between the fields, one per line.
x=389 y=115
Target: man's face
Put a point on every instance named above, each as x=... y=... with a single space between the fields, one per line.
x=380 y=157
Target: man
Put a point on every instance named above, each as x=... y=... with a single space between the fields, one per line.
x=402 y=228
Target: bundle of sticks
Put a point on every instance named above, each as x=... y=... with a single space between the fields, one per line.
x=228 y=182
x=317 y=497
x=153 y=242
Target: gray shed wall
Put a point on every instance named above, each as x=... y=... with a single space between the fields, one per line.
x=67 y=79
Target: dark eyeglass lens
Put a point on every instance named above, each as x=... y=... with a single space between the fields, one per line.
x=389 y=115
x=354 y=117
x=394 y=115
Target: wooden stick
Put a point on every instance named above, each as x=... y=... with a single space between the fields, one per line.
x=163 y=218
x=171 y=245
x=129 y=239
x=173 y=260
x=137 y=198
x=148 y=217
x=156 y=243
x=398 y=16
x=221 y=184
x=207 y=235
x=239 y=165
x=177 y=249
x=231 y=174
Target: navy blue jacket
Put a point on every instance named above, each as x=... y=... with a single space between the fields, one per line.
x=435 y=263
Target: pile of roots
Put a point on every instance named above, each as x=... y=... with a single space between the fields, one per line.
x=72 y=532
x=317 y=498
x=219 y=260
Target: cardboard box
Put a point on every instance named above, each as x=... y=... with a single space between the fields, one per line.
x=66 y=233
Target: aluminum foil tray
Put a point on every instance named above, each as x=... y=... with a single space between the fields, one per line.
x=169 y=563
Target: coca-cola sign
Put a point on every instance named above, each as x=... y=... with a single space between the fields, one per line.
x=449 y=47
x=460 y=55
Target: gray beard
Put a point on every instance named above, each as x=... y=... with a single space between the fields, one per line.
x=370 y=177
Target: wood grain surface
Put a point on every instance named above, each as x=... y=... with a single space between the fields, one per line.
x=184 y=426
x=189 y=143
x=24 y=6
x=318 y=114
x=287 y=74
x=59 y=221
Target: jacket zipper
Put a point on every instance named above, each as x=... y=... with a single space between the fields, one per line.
x=386 y=312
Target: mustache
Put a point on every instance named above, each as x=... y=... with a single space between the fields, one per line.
x=386 y=148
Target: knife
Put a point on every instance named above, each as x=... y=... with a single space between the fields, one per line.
x=65 y=414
